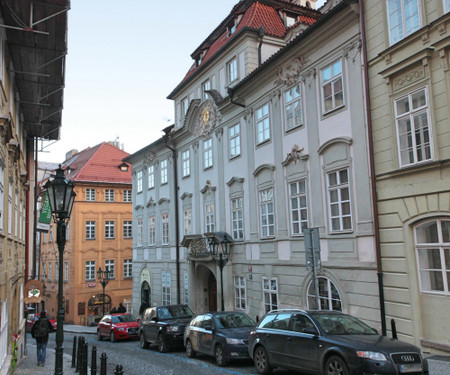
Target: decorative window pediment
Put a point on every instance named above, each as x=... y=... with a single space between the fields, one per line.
x=295 y=155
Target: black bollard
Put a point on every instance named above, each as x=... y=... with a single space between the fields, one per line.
x=103 y=364
x=394 y=329
x=80 y=343
x=94 y=361
x=74 y=351
x=118 y=370
x=85 y=358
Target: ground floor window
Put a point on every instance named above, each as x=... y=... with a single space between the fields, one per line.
x=329 y=297
x=95 y=304
x=240 y=296
x=270 y=293
x=166 y=281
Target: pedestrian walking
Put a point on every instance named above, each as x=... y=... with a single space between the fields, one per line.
x=40 y=330
x=122 y=308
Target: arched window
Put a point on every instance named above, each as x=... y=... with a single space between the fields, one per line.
x=433 y=255
x=328 y=295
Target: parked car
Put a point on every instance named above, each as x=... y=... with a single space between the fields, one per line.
x=164 y=326
x=223 y=335
x=118 y=327
x=32 y=318
x=329 y=342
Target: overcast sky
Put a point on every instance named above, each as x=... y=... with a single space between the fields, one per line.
x=124 y=58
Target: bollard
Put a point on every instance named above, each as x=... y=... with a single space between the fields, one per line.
x=103 y=364
x=85 y=358
x=74 y=351
x=394 y=329
x=94 y=361
x=80 y=341
x=81 y=350
x=118 y=370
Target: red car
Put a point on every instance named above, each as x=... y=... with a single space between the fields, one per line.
x=118 y=327
x=32 y=318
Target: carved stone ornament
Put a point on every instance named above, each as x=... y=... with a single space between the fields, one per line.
x=408 y=78
x=290 y=73
x=330 y=4
x=199 y=247
x=308 y=76
x=208 y=189
x=209 y=117
x=151 y=202
x=294 y=156
x=149 y=158
x=352 y=50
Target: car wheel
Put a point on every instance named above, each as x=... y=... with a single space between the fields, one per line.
x=221 y=360
x=162 y=346
x=190 y=352
x=262 y=361
x=144 y=344
x=336 y=366
x=99 y=336
x=113 y=337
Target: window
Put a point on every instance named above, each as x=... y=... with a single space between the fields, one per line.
x=128 y=268
x=186 y=163
x=263 y=124
x=165 y=288
x=10 y=208
x=234 y=135
x=413 y=132
x=232 y=70
x=2 y=192
x=290 y=20
x=109 y=229
x=165 y=229
x=90 y=230
x=56 y=270
x=109 y=195
x=50 y=271
x=403 y=18
x=184 y=106
x=187 y=221
x=151 y=176
x=207 y=153
x=240 y=299
x=267 y=215
x=328 y=296
x=67 y=231
x=299 y=209
x=433 y=256
x=332 y=88
x=206 y=86
x=151 y=231
x=339 y=200
x=293 y=109
x=164 y=172
x=90 y=194
x=90 y=270
x=127 y=196
x=66 y=271
x=231 y=28
x=4 y=322
x=109 y=265
x=139 y=181
x=186 y=288
x=140 y=231
x=270 y=294
x=43 y=271
x=237 y=218
x=51 y=233
x=209 y=217
x=127 y=229
x=446 y=5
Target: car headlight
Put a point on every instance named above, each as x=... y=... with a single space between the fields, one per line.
x=173 y=329
x=233 y=341
x=120 y=329
x=371 y=355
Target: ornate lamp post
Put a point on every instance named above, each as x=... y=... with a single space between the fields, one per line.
x=103 y=277
x=61 y=197
x=221 y=254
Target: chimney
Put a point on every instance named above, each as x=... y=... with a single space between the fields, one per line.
x=71 y=153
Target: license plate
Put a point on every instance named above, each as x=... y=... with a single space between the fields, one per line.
x=413 y=367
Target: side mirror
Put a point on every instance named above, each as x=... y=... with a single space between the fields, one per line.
x=310 y=331
x=154 y=319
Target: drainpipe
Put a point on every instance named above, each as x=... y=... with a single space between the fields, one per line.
x=372 y=170
x=261 y=32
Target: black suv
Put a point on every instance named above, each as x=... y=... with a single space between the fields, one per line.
x=329 y=342
x=164 y=326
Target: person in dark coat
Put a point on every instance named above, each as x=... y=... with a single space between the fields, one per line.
x=144 y=306
x=121 y=308
x=113 y=310
x=40 y=330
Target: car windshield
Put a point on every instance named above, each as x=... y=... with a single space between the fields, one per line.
x=174 y=312
x=343 y=325
x=123 y=318
x=233 y=321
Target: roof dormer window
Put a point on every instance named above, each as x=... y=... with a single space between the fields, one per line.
x=231 y=29
x=123 y=167
x=290 y=20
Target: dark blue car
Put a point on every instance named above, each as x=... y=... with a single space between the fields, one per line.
x=223 y=335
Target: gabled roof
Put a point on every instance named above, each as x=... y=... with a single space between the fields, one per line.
x=98 y=164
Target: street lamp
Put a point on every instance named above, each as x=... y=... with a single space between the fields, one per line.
x=61 y=197
x=103 y=277
x=221 y=254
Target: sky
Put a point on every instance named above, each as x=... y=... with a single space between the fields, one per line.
x=124 y=59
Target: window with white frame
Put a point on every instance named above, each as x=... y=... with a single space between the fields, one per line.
x=403 y=18
x=267 y=213
x=166 y=284
x=3 y=323
x=329 y=296
x=140 y=232
x=432 y=240
x=209 y=218
x=66 y=271
x=16 y=215
x=21 y=225
x=186 y=288
x=413 y=129
x=186 y=162
x=184 y=106
x=164 y=172
x=240 y=296
x=293 y=108
x=446 y=5
x=90 y=195
x=187 y=220
x=127 y=229
x=127 y=268
x=50 y=271
x=232 y=71
x=2 y=192
x=237 y=218
x=339 y=200
x=43 y=271
x=10 y=208
x=332 y=86
x=56 y=270
x=110 y=266
x=270 y=293
x=51 y=233
x=298 y=206
x=67 y=231
x=151 y=230
x=90 y=230
x=206 y=86
x=262 y=124
x=139 y=176
x=109 y=229
x=165 y=229
x=151 y=176
x=207 y=153
x=109 y=195
x=90 y=270
x=127 y=196
x=234 y=140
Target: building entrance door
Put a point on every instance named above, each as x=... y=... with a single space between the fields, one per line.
x=212 y=292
